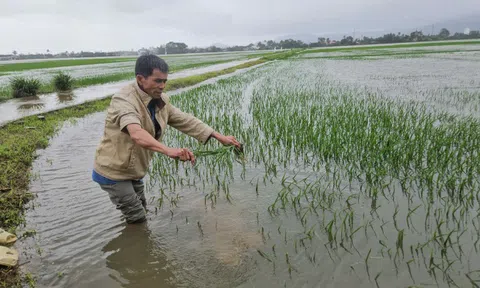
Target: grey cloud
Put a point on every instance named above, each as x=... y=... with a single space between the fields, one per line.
x=121 y=24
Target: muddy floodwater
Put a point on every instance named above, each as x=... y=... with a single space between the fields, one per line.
x=341 y=186
x=83 y=242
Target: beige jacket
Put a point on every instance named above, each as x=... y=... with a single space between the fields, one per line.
x=117 y=157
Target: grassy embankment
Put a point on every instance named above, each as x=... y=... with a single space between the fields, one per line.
x=20 y=139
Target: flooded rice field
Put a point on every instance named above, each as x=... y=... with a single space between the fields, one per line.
x=405 y=52
x=343 y=183
x=442 y=84
x=46 y=75
x=20 y=107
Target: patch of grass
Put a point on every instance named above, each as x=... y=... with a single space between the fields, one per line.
x=19 y=141
x=63 y=82
x=5 y=93
x=22 y=87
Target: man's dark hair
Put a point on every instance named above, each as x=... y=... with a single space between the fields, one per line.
x=147 y=63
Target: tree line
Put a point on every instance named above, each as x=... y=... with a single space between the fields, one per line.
x=389 y=38
x=182 y=48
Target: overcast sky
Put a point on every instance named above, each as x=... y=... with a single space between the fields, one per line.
x=94 y=25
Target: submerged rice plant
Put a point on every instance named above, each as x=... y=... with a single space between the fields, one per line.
x=342 y=172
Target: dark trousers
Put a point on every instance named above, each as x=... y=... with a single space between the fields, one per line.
x=129 y=198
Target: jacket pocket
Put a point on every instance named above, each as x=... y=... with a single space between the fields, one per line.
x=116 y=152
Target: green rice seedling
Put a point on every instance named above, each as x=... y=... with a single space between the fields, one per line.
x=366 y=262
x=383 y=157
x=264 y=255
x=200 y=228
x=410 y=212
x=472 y=281
x=410 y=270
x=23 y=87
x=399 y=242
x=376 y=279
x=63 y=82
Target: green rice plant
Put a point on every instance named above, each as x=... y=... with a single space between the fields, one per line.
x=264 y=255
x=366 y=262
x=344 y=157
x=23 y=87
x=63 y=82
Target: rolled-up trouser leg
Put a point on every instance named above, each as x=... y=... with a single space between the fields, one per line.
x=124 y=196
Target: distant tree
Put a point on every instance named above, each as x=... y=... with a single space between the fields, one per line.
x=176 y=47
x=416 y=36
x=14 y=53
x=271 y=44
x=444 y=33
x=261 y=46
x=347 y=40
x=474 y=34
x=322 y=41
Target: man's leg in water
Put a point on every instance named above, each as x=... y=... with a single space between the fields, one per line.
x=125 y=197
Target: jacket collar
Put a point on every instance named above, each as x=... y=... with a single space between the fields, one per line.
x=147 y=98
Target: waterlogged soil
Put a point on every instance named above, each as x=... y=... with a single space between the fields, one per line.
x=82 y=241
x=444 y=82
x=425 y=50
x=45 y=75
x=18 y=108
x=279 y=222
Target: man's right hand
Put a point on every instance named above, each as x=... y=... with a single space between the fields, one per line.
x=181 y=153
x=145 y=140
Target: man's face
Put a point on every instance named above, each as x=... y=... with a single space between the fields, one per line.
x=154 y=84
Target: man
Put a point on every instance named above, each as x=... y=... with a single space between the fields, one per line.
x=136 y=121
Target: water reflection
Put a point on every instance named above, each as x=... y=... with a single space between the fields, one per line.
x=28 y=98
x=64 y=97
x=135 y=256
x=31 y=106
